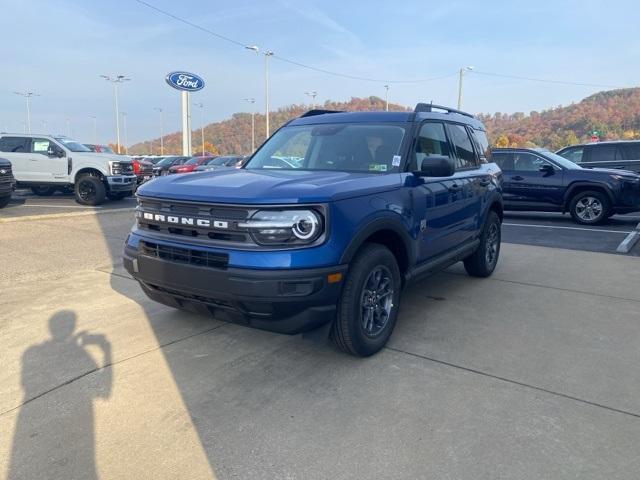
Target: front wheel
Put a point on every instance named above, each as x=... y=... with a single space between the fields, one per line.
x=483 y=261
x=90 y=190
x=589 y=208
x=368 y=306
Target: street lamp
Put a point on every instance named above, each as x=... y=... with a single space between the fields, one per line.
x=253 y=124
x=115 y=80
x=28 y=96
x=267 y=54
x=201 y=106
x=313 y=94
x=386 y=98
x=124 y=125
x=95 y=128
x=158 y=109
x=462 y=70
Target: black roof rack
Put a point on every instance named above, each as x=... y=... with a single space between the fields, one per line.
x=311 y=113
x=428 y=107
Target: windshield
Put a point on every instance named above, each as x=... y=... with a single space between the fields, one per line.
x=563 y=162
x=217 y=161
x=356 y=147
x=166 y=161
x=194 y=161
x=72 y=144
x=105 y=149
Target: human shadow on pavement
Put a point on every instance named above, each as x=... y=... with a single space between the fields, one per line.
x=62 y=446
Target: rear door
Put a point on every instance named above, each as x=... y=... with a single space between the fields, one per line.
x=604 y=155
x=18 y=151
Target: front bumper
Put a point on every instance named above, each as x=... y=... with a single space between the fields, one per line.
x=122 y=183
x=284 y=301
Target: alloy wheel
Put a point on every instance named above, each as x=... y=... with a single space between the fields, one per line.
x=376 y=301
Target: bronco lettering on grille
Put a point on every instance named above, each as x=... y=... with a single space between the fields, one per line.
x=179 y=220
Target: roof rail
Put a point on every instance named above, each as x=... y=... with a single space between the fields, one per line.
x=311 y=113
x=428 y=107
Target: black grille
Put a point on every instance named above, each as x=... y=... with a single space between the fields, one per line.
x=7 y=176
x=184 y=255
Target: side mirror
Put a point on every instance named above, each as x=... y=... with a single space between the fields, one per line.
x=436 y=166
x=547 y=169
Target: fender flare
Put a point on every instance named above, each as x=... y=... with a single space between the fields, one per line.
x=597 y=185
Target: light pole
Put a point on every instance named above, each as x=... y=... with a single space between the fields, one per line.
x=124 y=125
x=115 y=80
x=95 y=128
x=158 y=109
x=386 y=98
x=253 y=124
x=267 y=54
x=462 y=70
x=200 y=105
x=313 y=94
x=28 y=96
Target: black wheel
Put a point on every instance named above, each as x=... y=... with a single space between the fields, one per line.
x=90 y=190
x=117 y=196
x=589 y=207
x=43 y=191
x=369 y=302
x=4 y=201
x=483 y=261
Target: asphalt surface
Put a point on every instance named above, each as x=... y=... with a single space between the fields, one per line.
x=529 y=374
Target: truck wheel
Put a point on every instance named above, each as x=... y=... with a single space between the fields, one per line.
x=589 y=207
x=369 y=302
x=4 y=201
x=90 y=190
x=483 y=261
x=117 y=196
x=43 y=191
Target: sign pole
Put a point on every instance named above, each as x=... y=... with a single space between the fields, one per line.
x=186 y=124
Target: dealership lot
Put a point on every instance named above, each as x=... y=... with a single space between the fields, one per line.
x=529 y=374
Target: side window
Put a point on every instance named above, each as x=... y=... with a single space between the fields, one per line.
x=432 y=140
x=15 y=144
x=602 y=153
x=573 y=154
x=466 y=157
x=504 y=160
x=527 y=162
x=482 y=144
x=41 y=145
x=630 y=151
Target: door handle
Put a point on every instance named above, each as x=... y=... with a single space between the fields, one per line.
x=33 y=159
x=517 y=178
x=455 y=188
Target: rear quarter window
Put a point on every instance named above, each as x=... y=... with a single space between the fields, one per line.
x=15 y=144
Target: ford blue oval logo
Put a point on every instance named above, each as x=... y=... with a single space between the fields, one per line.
x=185 y=81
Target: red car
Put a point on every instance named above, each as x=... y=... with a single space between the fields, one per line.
x=143 y=169
x=189 y=166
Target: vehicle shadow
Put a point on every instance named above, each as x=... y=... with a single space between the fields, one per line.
x=41 y=449
x=554 y=218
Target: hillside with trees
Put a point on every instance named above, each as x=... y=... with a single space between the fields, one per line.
x=614 y=114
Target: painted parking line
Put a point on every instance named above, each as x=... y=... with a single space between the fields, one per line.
x=625 y=232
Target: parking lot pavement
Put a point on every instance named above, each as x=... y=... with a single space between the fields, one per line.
x=24 y=203
x=529 y=374
x=560 y=231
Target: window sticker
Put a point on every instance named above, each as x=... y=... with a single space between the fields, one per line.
x=396 y=160
x=377 y=167
x=40 y=145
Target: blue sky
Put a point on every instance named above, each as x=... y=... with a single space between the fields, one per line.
x=59 y=48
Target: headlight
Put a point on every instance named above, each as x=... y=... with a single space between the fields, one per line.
x=284 y=227
x=116 y=168
x=627 y=178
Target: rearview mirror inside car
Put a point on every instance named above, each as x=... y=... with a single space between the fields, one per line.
x=436 y=166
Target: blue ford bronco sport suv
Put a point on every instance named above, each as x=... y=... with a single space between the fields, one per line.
x=325 y=224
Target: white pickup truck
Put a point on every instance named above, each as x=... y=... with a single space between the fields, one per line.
x=46 y=163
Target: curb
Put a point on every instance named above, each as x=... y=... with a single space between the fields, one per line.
x=630 y=240
x=52 y=216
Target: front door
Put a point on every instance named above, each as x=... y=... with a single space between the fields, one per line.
x=531 y=182
x=48 y=166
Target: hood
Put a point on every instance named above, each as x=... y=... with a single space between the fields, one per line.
x=269 y=186
x=101 y=157
x=605 y=172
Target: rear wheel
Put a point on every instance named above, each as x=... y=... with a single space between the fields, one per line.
x=43 y=191
x=90 y=190
x=589 y=207
x=368 y=306
x=4 y=201
x=483 y=261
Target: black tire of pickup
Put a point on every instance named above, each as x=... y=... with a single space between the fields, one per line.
x=117 y=196
x=90 y=190
x=483 y=261
x=4 y=201
x=43 y=191
x=349 y=332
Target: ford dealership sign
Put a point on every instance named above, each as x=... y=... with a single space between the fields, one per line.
x=188 y=82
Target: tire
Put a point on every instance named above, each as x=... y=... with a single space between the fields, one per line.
x=589 y=207
x=43 y=191
x=90 y=190
x=4 y=201
x=355 y=331
x=117 y=196
x=483 y=261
